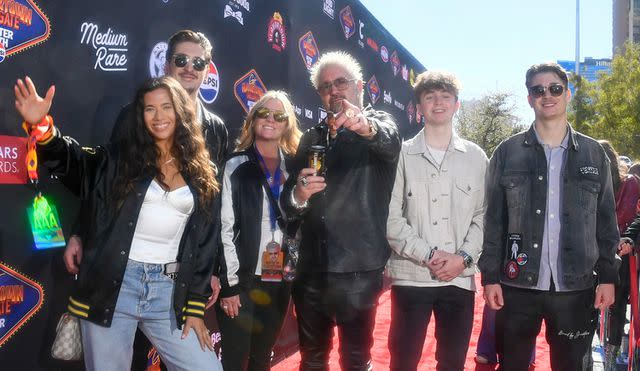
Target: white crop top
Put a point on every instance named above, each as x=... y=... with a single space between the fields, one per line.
x=160 y=225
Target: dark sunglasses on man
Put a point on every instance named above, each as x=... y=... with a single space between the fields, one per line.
x=181 y=60
x=341 y=83
x=264 y=112
x=538 y=91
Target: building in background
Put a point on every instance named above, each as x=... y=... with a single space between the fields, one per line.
x=626 y=22
x=590 y=68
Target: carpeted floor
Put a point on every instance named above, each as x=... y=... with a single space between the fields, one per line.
x=380 y=354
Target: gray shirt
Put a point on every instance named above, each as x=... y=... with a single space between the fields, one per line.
x=549 y=267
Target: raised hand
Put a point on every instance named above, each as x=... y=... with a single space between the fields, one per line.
x=32 y=107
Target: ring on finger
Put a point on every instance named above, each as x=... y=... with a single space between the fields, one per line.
x=304 y=181
x=349 y=113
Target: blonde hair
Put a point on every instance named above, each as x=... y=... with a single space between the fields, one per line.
x=291 y=136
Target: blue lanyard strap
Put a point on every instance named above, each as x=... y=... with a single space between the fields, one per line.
x=274 y=186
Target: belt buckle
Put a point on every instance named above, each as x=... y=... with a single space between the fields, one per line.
x=171 y=270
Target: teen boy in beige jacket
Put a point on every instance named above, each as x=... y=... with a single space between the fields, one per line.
x=435 y=231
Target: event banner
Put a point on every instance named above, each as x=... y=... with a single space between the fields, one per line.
x=97 y=53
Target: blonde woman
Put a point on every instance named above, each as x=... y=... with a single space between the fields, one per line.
x=254 y=297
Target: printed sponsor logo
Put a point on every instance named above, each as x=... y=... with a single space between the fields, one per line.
x=158 y=59
x=373 y=89
x=211 y=85
x=308 y=49
x=248 y=89
x=276 y=33
x=111 y=48
x=328 y=8
x=361 y=36
x=322 y=114
x=233 y=9
x=373 y=44
x=395 y=63
x=13 y=154
x=387 y=97
x=347 y=22
x=398 y=104
x=405 y=72
x=384 y=54
x=412 y=77
x=22 y=25
x=20 y=299
x=411 y=111
x=308 y=113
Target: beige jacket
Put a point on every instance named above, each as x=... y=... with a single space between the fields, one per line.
x=433 y=206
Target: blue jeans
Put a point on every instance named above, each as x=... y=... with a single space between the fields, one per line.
x=146 y=301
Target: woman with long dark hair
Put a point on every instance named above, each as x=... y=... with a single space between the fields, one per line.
x=254 y=295
x=152 y=228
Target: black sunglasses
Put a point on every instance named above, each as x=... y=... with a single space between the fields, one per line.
x=278 y=116
x=555 y=90
x=341 y=83
x=181 y=60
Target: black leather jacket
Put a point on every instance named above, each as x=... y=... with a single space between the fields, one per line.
x=243 y=192
x=344 y=227
x=516 y=194
x=90 y=174
x=213 y=129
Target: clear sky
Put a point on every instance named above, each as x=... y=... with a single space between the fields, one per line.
x=489 y=44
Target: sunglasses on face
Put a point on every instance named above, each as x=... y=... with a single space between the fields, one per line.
x=181 y=60
x=538 y=91
x=279 y=116
x=341 y=83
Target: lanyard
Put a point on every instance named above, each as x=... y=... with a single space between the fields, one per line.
x=274 y=186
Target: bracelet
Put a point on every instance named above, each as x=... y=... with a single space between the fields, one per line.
x=373 y=130
x=42 y=131
x=296 y=204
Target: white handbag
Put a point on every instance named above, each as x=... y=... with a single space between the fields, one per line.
x=68 y=343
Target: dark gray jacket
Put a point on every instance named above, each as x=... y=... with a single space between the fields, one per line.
x=516 y=195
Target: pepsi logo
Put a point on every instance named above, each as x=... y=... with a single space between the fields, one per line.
x=211 y=85
x=384 y=54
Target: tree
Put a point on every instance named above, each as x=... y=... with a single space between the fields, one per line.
x=611 y=109
x=581 y=113
x=489 y=120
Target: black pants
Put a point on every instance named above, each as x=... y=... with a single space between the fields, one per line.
x=570 y=320
x=618 y=311
x=248 y=339
x=411 y=309
x=347 y=300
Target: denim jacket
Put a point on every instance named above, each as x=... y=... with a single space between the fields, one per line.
x=516 y=196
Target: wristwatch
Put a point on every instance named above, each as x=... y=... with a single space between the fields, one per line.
x=466 y=258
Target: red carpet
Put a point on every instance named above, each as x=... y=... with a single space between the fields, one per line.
x=380 y=354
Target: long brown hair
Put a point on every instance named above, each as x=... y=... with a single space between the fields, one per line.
x=618 y=170
x=138 y=153
x=291 y=136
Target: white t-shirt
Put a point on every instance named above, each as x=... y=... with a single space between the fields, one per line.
x=438 y=155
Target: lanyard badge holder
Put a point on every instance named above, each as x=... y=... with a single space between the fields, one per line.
x=273 y=257
x=42 y=214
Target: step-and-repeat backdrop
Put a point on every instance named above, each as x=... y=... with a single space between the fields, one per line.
x=96 y=53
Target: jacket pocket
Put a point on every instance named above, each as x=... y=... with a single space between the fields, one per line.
x=588 y=195
x=515 y=190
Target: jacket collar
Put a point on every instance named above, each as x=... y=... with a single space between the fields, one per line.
x=530 y=137
x=419 y=145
